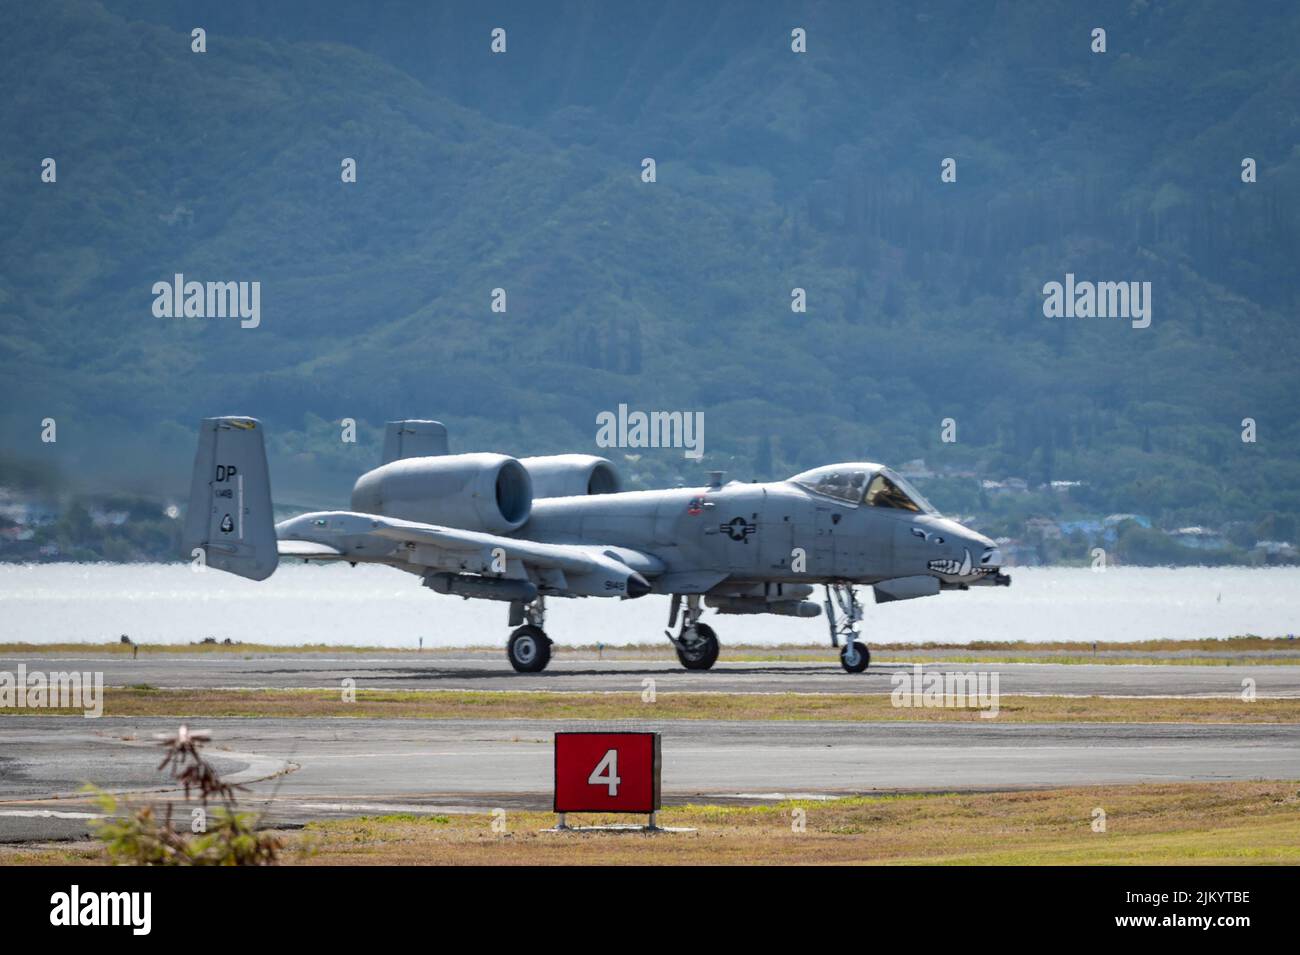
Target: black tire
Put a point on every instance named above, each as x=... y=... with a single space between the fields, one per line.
x=704 y=652
x=529 y=649
x=863 y=661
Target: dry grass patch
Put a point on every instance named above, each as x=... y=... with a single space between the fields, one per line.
x=1210 y=824
x=1231 y=651
x=1167 y=824
x=478 y=704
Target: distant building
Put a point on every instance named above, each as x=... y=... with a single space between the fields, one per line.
x=1007 y=486
x=1114 y=520
x=1200 y=538
x=1088 y=528
x=1111 y=522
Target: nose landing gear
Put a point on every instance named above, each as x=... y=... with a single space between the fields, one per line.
x=697 y=647
x=854 y=655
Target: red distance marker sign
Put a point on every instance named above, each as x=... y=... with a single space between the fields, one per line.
x=607 y=772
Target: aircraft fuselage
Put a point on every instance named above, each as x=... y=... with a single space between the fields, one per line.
x=777 y=532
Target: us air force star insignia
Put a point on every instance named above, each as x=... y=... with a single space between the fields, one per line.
x=738 y=529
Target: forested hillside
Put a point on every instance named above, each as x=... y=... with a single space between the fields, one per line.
x=775 y=170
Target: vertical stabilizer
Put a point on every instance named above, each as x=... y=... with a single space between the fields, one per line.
x=414 y=439
x=229 y=514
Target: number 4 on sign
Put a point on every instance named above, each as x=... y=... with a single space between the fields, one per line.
x=606 y=772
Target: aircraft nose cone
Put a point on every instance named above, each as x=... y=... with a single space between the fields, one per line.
x=637 y=586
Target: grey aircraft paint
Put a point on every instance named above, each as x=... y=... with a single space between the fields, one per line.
x=471 y=524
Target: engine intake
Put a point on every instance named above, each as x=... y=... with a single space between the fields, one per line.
x=478 y=492
x=571 y=475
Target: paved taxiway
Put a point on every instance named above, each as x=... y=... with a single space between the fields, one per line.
x=300 y=769
x=493 y=672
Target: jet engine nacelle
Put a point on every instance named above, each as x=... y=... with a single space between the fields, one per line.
x=571 y=475
x=476 y=492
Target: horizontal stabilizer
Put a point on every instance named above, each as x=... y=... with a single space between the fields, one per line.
x=307 y=549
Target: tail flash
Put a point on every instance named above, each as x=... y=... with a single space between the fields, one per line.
x=229 y=515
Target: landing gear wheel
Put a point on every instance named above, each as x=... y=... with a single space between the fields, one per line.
x=701 y=652
x=529 y=649
x=861 y=657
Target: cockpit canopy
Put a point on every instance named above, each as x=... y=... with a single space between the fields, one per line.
x=870 y=484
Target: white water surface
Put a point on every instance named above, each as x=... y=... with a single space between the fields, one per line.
x=379 y=606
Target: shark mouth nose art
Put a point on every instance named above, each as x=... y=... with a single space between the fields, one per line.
x=989 y=564
x=951 y=565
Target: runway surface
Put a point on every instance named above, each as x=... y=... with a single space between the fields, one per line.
x=302 y=769
x=492 y=672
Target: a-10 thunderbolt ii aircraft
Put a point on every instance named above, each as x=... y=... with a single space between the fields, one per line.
x=495 y=527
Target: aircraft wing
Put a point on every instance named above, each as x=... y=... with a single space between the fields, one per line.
x=587 y=569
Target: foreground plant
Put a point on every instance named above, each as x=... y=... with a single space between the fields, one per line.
x=224 y=836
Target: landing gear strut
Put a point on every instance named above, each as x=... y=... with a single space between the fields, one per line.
x=854 y=655
x=696 y=643
x=529 y=648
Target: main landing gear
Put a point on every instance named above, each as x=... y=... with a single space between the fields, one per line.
x=529 y=648
x=696 y=643
x=854 y=655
